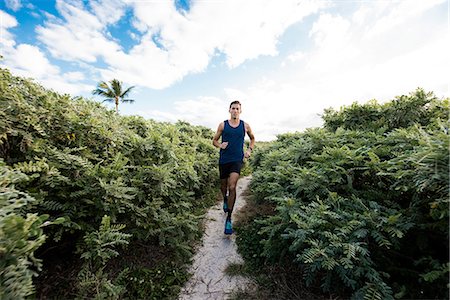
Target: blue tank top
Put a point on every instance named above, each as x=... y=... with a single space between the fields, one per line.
x=235 y=138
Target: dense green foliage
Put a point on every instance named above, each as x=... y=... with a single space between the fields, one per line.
x=100 y=247
x=72 y=158
x=20 y=235
x=361 y=205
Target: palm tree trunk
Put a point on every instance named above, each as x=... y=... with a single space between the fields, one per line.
x=117 y=105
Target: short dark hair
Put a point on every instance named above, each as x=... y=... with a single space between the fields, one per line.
x=235 y=102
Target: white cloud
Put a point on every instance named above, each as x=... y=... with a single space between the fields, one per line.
x=80 y=37
x=133 y=36
x=30 y=62
x=241 y=30
x=245 y=30
x=333 y=41
x=108 y=11
x=74 y=76
x=14 y=5
x=346 y=65
x=398 y=13
x=205 y=111
x=161 y=116
x=30 y=6
x=7 y=39
x=384 y=49
x=7 y=21
x=293 y=58
x=61 y=85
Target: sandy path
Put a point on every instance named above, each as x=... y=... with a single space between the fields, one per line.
x=217 y=251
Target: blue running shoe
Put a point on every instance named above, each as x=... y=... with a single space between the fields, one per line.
x=228 y=227
x=225 y=204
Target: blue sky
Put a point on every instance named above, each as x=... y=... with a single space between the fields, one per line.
x=285 y=60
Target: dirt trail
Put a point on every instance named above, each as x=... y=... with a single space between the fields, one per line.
x=217 y=251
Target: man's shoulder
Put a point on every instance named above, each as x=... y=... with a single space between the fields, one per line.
x=247 y=127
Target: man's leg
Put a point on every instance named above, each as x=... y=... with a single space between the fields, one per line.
x=232 y=182
x=224 y=186
x=224 y=173
x=223 y=189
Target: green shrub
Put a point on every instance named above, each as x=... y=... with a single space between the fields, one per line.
x=21 y=234
x=99 y=247
x=362 y=205
x=84 y=161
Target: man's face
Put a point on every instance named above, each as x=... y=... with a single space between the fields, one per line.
x=235 y=111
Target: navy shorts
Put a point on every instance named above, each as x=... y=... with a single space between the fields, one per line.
x=228 y=168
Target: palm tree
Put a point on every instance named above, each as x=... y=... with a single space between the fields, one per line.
x=113 y=92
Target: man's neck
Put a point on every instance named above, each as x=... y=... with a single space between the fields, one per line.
x=234 y=121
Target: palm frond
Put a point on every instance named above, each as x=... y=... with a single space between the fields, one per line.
x=125 y=93
x=113 y=92
x=116 y=86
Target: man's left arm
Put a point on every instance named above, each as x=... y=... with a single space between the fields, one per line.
x=250 y=134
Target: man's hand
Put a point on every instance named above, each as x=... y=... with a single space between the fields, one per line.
x=247 y=153
x=223 y=145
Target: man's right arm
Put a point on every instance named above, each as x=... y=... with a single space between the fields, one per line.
x=217 y=136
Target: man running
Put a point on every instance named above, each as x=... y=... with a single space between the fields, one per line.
x=232 y=156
